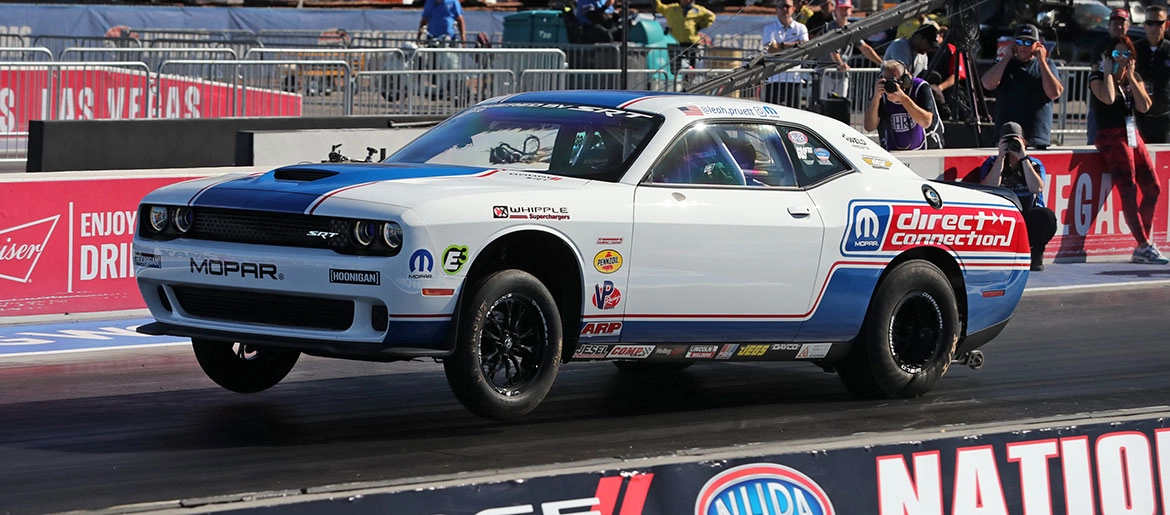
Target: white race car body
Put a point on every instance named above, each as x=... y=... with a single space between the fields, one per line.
x=740 y=264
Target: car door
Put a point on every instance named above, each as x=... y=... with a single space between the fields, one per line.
x=726 y=246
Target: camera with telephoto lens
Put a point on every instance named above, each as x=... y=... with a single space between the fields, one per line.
x=891 y=86
x=1013 y=145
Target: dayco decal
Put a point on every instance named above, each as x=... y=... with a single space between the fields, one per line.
x=874 y=227
x=373 y=278
x=603 y=502
x=1119 y=465
x=21 y=248
x=772 y=488
x=231 y=268
x=607 y=261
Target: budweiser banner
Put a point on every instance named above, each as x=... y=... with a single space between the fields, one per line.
x=1079 y=190
x=65 y=245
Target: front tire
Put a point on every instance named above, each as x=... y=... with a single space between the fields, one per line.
x=243 y=368
x=908 y=339
x=509 y=345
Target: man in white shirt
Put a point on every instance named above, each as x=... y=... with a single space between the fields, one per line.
x=782 y=34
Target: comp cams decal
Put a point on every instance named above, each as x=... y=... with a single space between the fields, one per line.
x=875 y=227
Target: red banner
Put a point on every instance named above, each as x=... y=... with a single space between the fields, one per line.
x=65 y=246
x=108 y=93
x=1079 y=190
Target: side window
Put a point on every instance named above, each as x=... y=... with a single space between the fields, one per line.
x=813 y=160
x=761 y=155
x=699 y=157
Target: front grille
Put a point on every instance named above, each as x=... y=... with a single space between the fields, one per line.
x=263 y=228
x=265 y=308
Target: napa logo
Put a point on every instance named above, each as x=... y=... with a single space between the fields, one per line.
x=867 y=227
x=762 y=489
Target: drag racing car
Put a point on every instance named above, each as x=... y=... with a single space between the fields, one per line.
x=653 y=230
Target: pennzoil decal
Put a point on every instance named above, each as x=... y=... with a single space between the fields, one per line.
x=883 y=227
x=607 y=261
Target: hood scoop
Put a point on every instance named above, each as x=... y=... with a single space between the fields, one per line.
x=302 y=174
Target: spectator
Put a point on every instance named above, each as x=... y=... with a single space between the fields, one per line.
x=821 y=16
x=910 y=25
x=597 y=20
x=912 y=51
x=1118 y=26
x=837 y=84
x=1118 y=92
x=1025 y=84
x=1015 y=170
x=902 y=111
x=1153 y=63
x=442 y=18
x=684 y=20
x=782 y=34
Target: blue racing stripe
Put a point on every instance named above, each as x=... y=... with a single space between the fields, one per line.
x=266 y=193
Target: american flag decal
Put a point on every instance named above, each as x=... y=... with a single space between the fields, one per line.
x=691 y=110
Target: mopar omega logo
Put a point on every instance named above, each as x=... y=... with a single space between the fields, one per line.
x=867 y=227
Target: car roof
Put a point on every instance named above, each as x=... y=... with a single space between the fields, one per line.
x=673 y=106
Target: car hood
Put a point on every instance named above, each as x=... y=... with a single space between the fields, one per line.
x=304 y=188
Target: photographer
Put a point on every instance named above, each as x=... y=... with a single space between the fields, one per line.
x=903 y=111
x=1015 y=170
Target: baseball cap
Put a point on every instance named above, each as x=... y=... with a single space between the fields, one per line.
x=1028 y=31
x=1119 y=13
x=844 y=3
x=928 y=30
x=1011 y=129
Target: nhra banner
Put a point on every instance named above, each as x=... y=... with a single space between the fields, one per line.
x=1118 y=467
x=109 y=93
x=1087 y=206
x=65 y=245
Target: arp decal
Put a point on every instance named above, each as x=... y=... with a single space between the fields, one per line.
x=606 y=295
x=453 y=259
x=883 y=227
x=421 y=264
x=761 y=488
x=601 y=329
x=607 y=261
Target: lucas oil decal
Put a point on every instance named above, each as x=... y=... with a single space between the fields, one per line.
x=877 y=227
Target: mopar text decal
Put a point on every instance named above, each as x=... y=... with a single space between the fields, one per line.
x=355 y=277
x=234 y=268
x=883 y=227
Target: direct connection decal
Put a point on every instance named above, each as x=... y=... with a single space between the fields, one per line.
x=886 y=227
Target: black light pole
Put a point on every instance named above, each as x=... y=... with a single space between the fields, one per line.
x=625 y=44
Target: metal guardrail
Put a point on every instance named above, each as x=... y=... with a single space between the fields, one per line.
x=63 y=91
x=152 y=57
x=313 y=87
x=428 y=92
x=25 y=54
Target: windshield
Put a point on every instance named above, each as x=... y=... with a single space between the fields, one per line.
x=560 y=139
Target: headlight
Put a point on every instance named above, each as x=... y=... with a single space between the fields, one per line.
x=364 y=232
x=184 y=218
x=158 y=218
x=392 y=234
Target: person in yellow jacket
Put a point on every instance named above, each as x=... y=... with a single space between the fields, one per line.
x=684 y=20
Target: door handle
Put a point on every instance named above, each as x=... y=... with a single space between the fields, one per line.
x=799 y=211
